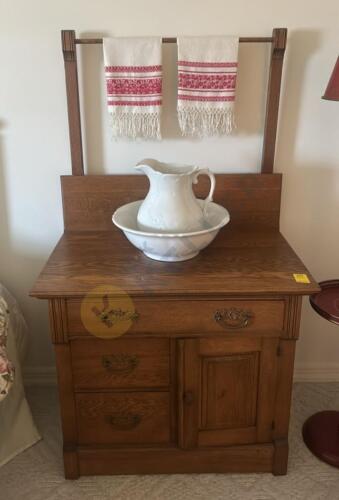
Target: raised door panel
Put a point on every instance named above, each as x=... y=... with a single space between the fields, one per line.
x=228 y=391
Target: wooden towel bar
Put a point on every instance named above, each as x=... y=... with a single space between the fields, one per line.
x=278 y=42
x=262 y=39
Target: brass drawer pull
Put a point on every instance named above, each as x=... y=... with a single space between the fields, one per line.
x=232 y=319
x=113 y=316
x=124 y=421
x=120 y=364
x=110 y=317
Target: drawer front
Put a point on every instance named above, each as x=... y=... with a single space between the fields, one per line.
x=120 y=363
x=188 y=316
x=123 y=418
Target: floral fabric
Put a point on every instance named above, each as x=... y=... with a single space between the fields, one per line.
x=6 y=367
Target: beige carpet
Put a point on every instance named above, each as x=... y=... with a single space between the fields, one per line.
x=37 y=474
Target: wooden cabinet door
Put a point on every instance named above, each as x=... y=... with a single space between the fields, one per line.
x=226 y=390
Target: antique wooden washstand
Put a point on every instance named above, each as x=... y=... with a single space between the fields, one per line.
x=202 y=379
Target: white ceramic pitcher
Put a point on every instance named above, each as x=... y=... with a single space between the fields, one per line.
x=170 y=205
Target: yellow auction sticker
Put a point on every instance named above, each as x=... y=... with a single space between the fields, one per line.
x=301 y=278
x=107 y=312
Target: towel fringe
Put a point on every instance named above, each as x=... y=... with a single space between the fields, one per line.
x=206 y=122
x=132 y=125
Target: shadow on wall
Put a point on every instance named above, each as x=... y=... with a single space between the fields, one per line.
x=301 y=45
x=4 y=237
x=17 y=265
x=250 y=103
x=314 y=234
x=310 y=191
x=92 y=95
x=311 y=216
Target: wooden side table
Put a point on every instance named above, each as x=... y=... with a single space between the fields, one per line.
x=321 y=430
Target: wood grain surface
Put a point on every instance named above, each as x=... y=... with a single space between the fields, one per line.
x=239 y=261
x=131 y=417
x=120 y=363
x=89 y=201
x=181 y=316
x=251 y=458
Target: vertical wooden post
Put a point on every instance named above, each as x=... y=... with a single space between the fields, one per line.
x=58 y=321
x=73 y=103
x=273 y=95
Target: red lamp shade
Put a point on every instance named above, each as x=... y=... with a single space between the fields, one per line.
x=332 y=90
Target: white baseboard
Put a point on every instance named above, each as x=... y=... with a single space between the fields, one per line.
x=303 y=372
x=316 y=372
x=43 y=376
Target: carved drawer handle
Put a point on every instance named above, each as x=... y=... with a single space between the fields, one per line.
x=124 y=421
x=232 y=319
x=120 y=364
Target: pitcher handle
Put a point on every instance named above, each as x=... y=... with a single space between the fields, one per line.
x=206 y=171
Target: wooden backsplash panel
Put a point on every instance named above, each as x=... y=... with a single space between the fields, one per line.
x=89 y=201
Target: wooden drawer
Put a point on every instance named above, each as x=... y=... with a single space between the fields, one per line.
x=123 y=418
x=120 y=363
x=189 y=316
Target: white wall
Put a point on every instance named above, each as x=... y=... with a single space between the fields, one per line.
x=34 y=148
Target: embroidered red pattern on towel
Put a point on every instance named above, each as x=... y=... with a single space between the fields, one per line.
x=125 y=88
x=207 y=73
x=133 y=74
x=195 y=79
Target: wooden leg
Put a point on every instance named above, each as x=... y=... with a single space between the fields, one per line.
x=280 y=457
x=67 y=410
x=283 y=404
x=71 y=466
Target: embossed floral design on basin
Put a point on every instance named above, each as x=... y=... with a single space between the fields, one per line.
x=170 y=247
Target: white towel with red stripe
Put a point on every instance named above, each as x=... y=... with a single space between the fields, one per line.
x=133 y=73
x=207 y=72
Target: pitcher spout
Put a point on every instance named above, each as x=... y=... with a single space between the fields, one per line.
x=148 y=166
